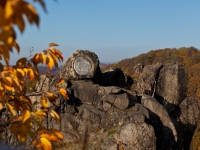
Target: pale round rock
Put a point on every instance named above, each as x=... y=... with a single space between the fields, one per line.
x=82 y=66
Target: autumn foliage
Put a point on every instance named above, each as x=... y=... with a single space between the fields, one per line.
x=24 y=122
x=189 y=57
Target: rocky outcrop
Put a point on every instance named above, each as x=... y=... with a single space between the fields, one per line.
x=102 y=110
x=103 y=114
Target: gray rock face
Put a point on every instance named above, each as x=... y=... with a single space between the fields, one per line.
x=185 y=119
x=168 y=135
x=137 y=137
x=147 y=81
x=138 y=68
x=81 y=65
x=172 y=85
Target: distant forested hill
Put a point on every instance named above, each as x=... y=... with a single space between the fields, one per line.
x=189 y=57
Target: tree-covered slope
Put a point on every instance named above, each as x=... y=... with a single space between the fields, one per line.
x=189 y=57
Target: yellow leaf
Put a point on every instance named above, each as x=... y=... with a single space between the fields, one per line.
x=26 y=115
x=8 y=81
x=40 y=113
x=49 y=137
x=42 y=58
x=21 y=62
x=64 y=93
x=57 y=133
x=53 y=44
x=20 y=72
x=9 y=88
x=54 y=59
x=25 y=71
x=17 y=85
x=49 y=62
x=54 y=115
x=44 y=102
x=46 y=145
x=9 y=9
x=11 y=109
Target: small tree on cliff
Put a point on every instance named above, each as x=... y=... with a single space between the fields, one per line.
x=24 y=122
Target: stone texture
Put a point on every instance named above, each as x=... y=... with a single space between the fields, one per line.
x=172 y=85
x=137 y=137
x=185 y=119
x=82 y=64
x=147 y=81
x=166 y=133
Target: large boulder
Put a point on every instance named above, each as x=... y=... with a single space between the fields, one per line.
x=185 y=119
x=171 y=87
x=164 y=128
x=116 y=77
x=146 y=83
x=137 y=137
x=82 y=64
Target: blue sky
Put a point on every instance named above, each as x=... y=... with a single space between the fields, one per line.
x=113 y=29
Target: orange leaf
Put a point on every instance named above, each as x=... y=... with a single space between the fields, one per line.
x=53 y=44
x=60 y=81
x=63 y=93
x=30 y=74
x=1 y=106
x=57 y=133
x=36 y=59
x=49 y=137
x=46 y=145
